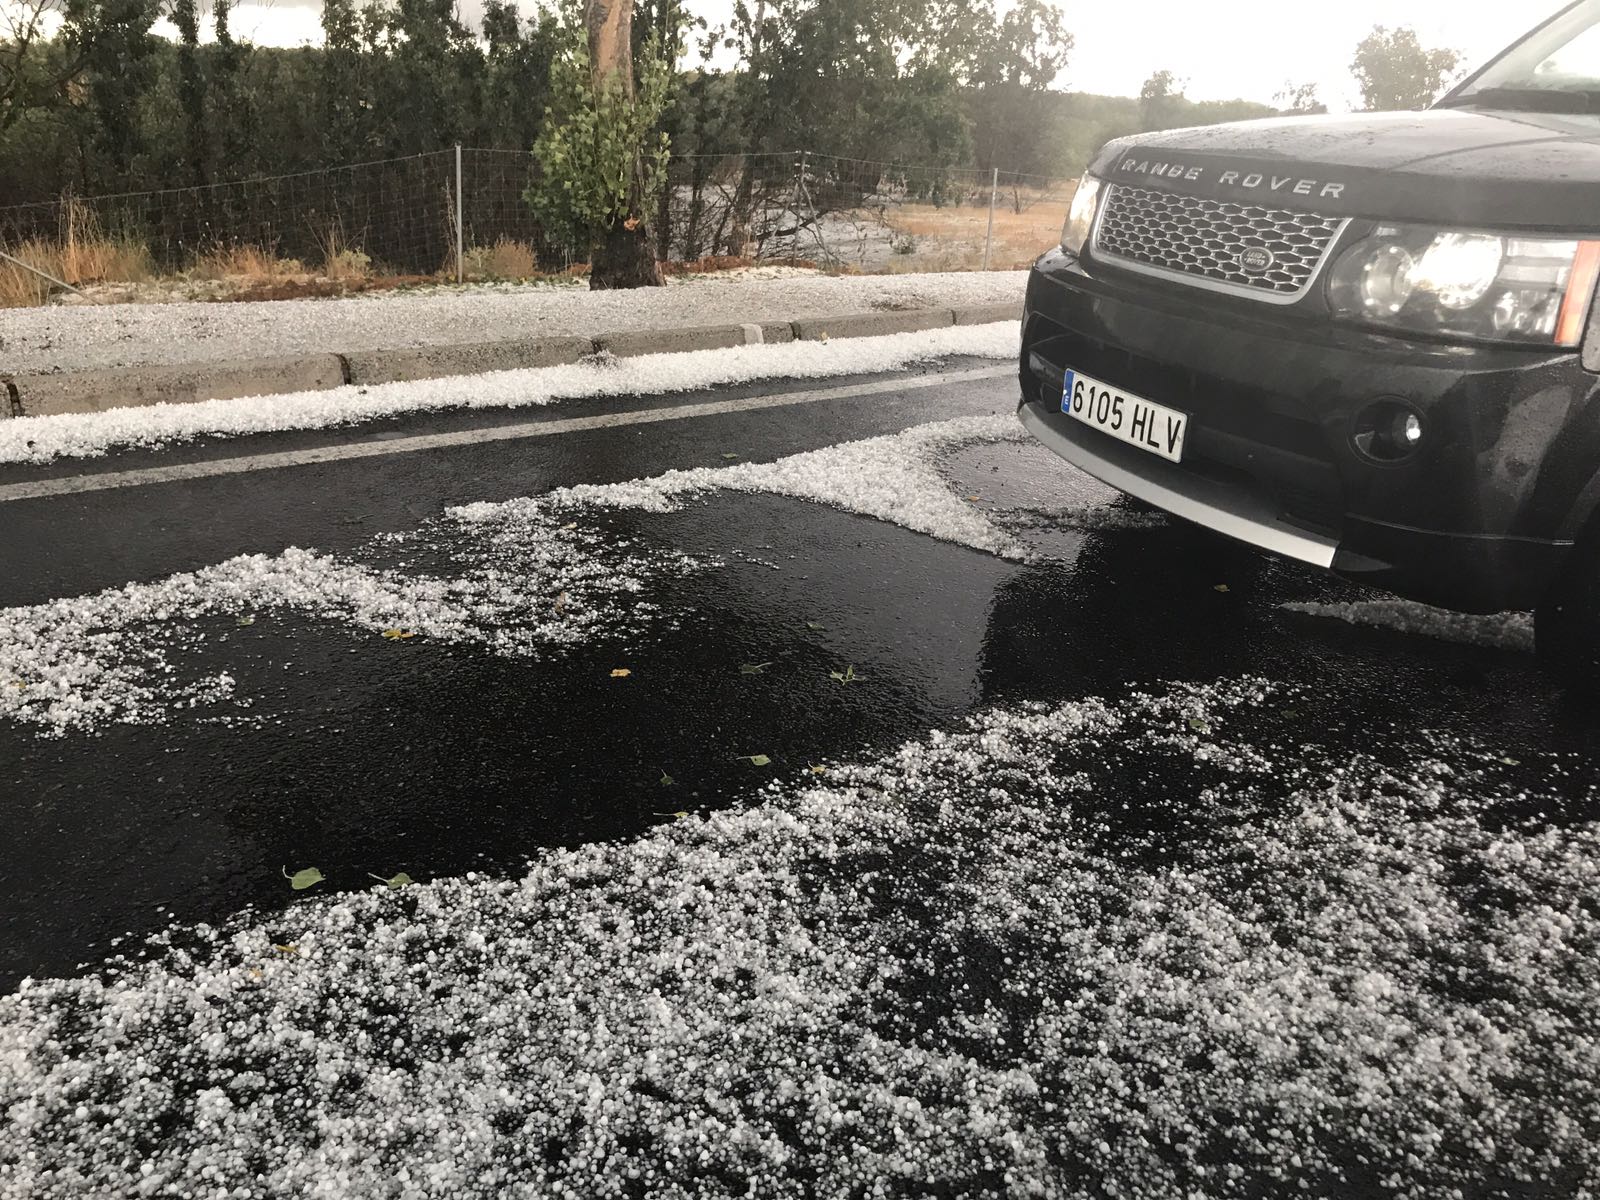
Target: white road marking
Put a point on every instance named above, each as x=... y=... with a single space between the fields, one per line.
x=109 y=480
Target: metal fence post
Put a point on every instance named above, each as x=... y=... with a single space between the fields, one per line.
x=41 y=274
x=988 y=238
x=461 y=252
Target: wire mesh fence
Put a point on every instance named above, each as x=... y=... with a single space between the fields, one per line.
x=465 y=211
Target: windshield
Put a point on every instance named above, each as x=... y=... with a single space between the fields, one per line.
x=1555 y=69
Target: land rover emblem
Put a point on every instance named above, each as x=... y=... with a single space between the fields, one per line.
x=1256 y=259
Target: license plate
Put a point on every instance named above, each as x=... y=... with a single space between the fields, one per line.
x=1132 y=419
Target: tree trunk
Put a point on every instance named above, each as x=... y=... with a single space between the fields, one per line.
x=625 y=255
x=624 y=258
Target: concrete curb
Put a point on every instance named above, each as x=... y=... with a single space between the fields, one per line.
x=435 y=362
x=96 y=391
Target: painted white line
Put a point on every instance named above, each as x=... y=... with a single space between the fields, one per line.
x=109 y=480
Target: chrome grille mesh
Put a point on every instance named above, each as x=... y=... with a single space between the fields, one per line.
x=1205 y=239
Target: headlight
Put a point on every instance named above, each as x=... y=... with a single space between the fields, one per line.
x=1478 y=285
x=1080 y=217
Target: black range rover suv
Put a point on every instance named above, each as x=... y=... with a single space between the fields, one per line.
x=1366 y=342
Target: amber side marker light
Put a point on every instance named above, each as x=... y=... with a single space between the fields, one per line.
x=1580 y=287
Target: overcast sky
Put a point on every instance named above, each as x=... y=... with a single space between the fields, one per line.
x=1224 y=48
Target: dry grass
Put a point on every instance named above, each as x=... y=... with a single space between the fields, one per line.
x=82 y=254
x=244 y=262
x=507 y=259
x=343 y=261
x=951 y=238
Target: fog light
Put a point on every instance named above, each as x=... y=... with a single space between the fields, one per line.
x=1387 y=431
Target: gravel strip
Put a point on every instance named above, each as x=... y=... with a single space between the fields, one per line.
x=41 y=340
x=1142 y=949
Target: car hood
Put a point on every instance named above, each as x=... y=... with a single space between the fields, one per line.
x=1464 y=167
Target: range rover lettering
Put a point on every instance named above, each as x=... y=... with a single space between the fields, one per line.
x=1366 y=342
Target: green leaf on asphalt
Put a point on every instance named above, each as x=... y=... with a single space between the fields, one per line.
x=815 y=625
x=753 y=668
x=728 y=454
x=679 y=814
x=246 y=620
x=848 y=675
x=398 y=635
x=757 y=760
x=288 y=948
x=1510 y=762
x=1219 y=587
x=394 y=881
x=1199 y=726
x=665 y=780
x=301 y=880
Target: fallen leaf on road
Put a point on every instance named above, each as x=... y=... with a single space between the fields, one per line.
x=398 y=635
x=757 y=760
x=815 y=625
x=1199 y=726
x=302 y=879
x=394 y=881
x=621 y=672
x=290 y=948
x=848 y=675
x=753 y=668
x=729 y=454
x=974 y=499
x=243 y=621
x=1221 y=587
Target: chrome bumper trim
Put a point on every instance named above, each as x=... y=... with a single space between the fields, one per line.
x=1199 y=500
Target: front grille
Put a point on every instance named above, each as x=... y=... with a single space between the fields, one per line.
x=1205 y=239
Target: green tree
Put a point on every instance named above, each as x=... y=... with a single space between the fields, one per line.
x=1395 y=71
x=517 y=74
x=1162 y=103
x=344 y=85
x=32 y=76
x=1300 y=99
x=601 y=158
x=869 y=79
x=1017 y=59
x=118 y=56
x=191 y=88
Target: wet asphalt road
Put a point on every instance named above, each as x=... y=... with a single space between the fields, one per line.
x=374 y=757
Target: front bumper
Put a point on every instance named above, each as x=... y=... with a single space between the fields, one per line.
x=1481 y=518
